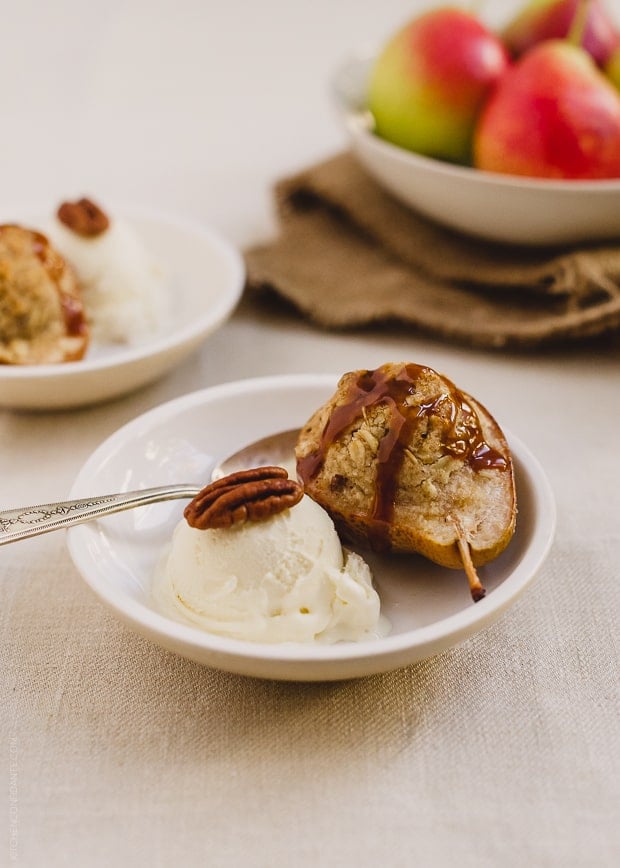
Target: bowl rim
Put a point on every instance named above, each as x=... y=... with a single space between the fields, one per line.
x=446 y=631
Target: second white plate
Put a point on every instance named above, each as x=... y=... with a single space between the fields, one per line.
x=204 y=277
x=428 y=606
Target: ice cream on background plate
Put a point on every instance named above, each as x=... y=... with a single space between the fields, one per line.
x=122 y=288
x=276 y=572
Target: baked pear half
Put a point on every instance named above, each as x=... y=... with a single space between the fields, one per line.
x=404 y=461
x=42 y=317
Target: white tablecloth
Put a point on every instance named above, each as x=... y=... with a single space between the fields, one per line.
x=501 y=752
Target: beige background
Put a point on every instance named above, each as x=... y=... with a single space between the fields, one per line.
x=503 y=752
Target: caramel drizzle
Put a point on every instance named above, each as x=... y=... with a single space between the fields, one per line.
x=463 y=436
x=54 y=264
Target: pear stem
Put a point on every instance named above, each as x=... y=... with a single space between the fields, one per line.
x=475 y=585
x=579 y=22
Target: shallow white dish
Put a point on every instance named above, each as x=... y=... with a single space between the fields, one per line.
x=204 y=276
x=181 y=441
x=495 y=207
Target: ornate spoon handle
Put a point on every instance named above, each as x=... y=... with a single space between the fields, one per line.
x=27 y=521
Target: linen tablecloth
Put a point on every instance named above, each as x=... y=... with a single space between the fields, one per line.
x=501 y=752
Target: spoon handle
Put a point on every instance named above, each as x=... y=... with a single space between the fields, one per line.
x=27 y=521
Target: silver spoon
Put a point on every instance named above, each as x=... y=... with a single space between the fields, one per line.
x=28 y=521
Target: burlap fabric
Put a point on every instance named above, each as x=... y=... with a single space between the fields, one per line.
x=349 y=254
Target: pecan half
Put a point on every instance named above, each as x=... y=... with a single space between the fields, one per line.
x=247 y=495
x=83 y=217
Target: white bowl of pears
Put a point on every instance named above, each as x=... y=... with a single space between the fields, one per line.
x=510 y=135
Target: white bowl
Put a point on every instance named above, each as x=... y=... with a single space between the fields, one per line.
x=204 y=278
x=429 y=607
x=491 y=206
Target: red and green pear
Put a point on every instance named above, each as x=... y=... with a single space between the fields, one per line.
x=554 y=114
x=429 y=83
x=540 y=20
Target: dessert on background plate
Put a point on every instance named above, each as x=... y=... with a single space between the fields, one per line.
x=255 y=559
x=404 y=461
x=200 y=269
x=42 y=317
x=86 y=278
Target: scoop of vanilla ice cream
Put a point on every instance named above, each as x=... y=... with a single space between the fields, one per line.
x=122 y=289
x=286 y=579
